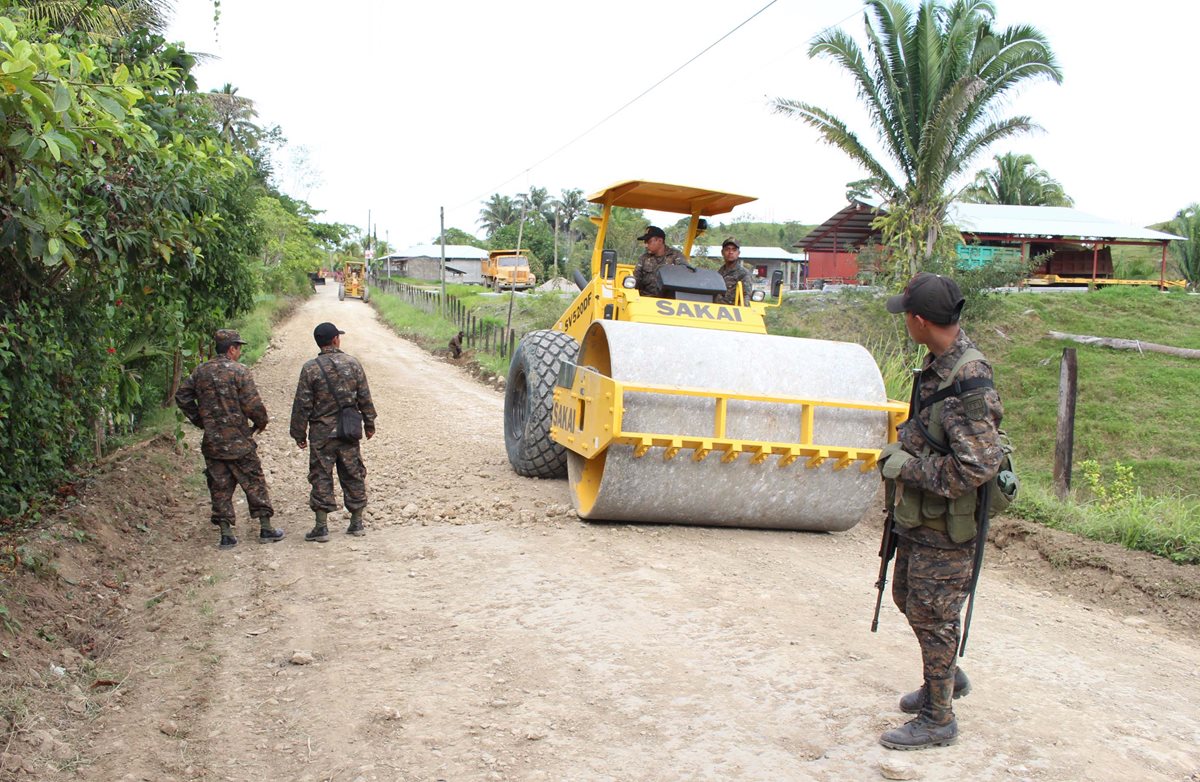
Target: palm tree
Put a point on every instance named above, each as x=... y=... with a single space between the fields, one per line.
x=498 y=211
x=1187 y=253
x=1016 y=180
x=537 y=202
x=569 y=205
x=108 y=19
x=931 y=81
x=235 y=113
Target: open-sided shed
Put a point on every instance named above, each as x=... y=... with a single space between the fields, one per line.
x=1077 y=243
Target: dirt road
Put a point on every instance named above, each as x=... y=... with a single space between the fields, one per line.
x=481 y=632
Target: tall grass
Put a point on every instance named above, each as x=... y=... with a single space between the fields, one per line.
x=1168 y=526
x=256 y=325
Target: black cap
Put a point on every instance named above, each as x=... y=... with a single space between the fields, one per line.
x=935 y=298
x=730 y=241
x=324 y=334
x=651 y=231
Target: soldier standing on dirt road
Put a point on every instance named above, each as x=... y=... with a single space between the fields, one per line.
x=219 y=397
x=657 y=254
x=936 y=499
x=329 y=382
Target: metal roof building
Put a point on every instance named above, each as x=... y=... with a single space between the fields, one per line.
x=423 y=261
x=763 y=261
x=1028 y=227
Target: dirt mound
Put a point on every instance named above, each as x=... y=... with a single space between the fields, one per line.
x=558 y=284
x=109 y=555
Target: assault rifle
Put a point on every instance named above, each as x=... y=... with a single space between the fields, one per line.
x=887 y=546
x=982 y=518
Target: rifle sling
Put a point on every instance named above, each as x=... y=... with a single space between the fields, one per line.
x=329 y=385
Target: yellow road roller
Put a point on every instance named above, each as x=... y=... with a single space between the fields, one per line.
x=677 y=409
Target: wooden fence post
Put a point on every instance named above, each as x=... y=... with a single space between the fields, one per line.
x=1064 y=440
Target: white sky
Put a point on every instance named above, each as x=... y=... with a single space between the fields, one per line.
x=404 y=107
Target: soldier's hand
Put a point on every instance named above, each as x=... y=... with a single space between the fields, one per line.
x=302 y=444
x=370 y=433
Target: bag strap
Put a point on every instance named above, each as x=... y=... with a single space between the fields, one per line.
x=949 y=387
x=329 y=385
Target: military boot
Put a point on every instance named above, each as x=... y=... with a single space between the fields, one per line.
x=935 y=726
x=268 y=533
x=227 y=538
x=320 y=532
x=356 y=524
x=912 y=703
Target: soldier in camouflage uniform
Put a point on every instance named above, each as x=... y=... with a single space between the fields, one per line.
x=936 y=502
x=332 y=380
x=657 y=254
x=734 y=272
x=220 y=397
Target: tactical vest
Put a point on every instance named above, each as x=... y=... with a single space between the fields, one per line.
x=917 y=507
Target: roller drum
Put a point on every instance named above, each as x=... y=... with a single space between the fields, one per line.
x=617 y=486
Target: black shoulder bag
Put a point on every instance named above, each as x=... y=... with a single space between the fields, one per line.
x=349 y=420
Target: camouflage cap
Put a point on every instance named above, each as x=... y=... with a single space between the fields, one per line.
x=730 y=242
x=229 y=337
x=652 y=231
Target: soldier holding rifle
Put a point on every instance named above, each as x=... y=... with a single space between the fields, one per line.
x=948 y=449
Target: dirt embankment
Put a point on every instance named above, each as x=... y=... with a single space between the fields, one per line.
x=480 y=631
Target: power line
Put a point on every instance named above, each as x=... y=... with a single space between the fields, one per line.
x=624 y=106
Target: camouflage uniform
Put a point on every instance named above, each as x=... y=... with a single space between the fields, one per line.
x=933 y=572
x=734 y=273
x=646 y=271
x=219 y=397
x=314 y=418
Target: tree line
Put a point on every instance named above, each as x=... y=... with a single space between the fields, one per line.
x=137 y=215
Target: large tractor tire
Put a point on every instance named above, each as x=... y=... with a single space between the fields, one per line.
x=366 y=294
x=341 y=292
x=528 y=401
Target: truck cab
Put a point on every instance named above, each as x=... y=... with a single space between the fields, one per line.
x=507 y=270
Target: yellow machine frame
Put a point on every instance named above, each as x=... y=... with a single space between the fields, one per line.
x=589 y=406
x=354 y=278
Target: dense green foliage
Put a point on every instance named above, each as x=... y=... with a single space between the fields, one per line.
x=130 y=229
x=1186 y=254
x=784 y=235
x=932 y=82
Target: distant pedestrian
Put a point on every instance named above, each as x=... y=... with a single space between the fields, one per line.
x=220 y=397
x=456 y=345
x=944 y=453
x=328 y=383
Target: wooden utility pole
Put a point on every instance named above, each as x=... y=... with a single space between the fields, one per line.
x=442 y=219
x=1064 y=440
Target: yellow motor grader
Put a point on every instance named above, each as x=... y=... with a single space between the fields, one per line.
x=354 y=282
x=680 y=410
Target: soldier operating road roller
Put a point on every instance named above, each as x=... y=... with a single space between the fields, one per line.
x=677 y=409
